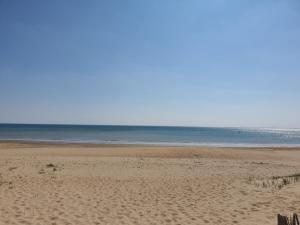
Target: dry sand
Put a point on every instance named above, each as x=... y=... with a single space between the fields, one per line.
x=99 y=184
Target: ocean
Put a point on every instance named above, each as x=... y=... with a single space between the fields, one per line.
x=153 y=135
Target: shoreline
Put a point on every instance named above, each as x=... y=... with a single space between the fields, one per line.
x=148 y=144
x=146 y=151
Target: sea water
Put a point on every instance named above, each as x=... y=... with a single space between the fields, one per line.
x=155 y=135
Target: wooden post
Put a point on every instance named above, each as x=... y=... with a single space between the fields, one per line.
x=295 y=219
x=284 y=220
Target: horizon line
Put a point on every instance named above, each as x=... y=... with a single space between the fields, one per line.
x=143 y=125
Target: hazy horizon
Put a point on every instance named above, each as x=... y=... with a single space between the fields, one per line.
x=171 y=63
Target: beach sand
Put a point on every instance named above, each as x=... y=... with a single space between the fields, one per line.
x=60 y=184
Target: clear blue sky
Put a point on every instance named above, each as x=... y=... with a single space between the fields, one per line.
x=171 y=62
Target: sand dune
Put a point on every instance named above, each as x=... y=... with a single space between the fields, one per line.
x=60 y=184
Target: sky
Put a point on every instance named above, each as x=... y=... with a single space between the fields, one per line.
x=136 y=62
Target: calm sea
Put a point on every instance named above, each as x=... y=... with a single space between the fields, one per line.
x=203 y=136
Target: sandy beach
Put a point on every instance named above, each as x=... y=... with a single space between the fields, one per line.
x=60 y=184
